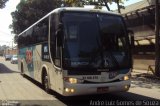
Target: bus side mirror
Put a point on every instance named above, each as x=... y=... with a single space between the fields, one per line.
x=131 y=38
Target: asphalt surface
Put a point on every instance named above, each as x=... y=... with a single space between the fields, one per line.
x=15 y=89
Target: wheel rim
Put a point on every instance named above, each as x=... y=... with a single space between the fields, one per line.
x=46 y=83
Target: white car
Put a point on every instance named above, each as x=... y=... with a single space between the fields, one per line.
x=14 y=59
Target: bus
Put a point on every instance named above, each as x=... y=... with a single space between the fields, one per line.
x=77 y=51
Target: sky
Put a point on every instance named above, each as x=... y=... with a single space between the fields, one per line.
x=5 y=20
x=129 y=2
x=6 y=38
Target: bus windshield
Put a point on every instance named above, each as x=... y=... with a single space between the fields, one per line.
x=94 y=40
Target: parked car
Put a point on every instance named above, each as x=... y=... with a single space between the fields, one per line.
x=8 y=57
x=14 y=59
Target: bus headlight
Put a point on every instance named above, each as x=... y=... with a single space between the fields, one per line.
x=69 y=90
x=73 y=80
x=126 y=77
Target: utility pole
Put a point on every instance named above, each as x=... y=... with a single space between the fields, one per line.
x=12 y=44
x=157 y=45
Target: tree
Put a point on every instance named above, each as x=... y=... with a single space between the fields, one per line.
x=2 y=3
x=97 y=3
x=76 y=3
x=29 y=11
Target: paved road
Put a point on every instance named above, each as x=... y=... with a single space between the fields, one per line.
x=17 y=89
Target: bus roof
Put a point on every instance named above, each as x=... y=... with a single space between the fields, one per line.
x=78 y=9
x=83 y=10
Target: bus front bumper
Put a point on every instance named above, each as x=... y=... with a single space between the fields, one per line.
x=100 y=88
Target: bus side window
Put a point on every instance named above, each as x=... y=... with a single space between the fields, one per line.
x=40 y=32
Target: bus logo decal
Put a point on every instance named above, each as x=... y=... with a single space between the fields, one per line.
x=45 y=49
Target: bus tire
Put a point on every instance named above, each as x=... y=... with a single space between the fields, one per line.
x=22 y=70
x=45 y=82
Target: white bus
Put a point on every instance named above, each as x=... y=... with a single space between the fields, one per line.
x=77 y=51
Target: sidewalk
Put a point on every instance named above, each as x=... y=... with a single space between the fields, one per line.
x=145 y=84
x=1 y=58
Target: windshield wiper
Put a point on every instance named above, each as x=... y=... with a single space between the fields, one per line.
x=114 y=59
x=95 y=54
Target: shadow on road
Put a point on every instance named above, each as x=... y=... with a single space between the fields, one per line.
x=145 y=80
x=5 y=69
x=109 y=99
x=89 y=100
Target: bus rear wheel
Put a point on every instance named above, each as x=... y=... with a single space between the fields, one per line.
x=22 y=70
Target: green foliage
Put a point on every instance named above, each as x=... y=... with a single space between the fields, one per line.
x=2 y=3
x=97 y=3
x=74 y=3
x=29 y=11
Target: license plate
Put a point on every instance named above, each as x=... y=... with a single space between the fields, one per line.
x=102 y=89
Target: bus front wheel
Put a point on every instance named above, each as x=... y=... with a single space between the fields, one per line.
x=46 y=82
